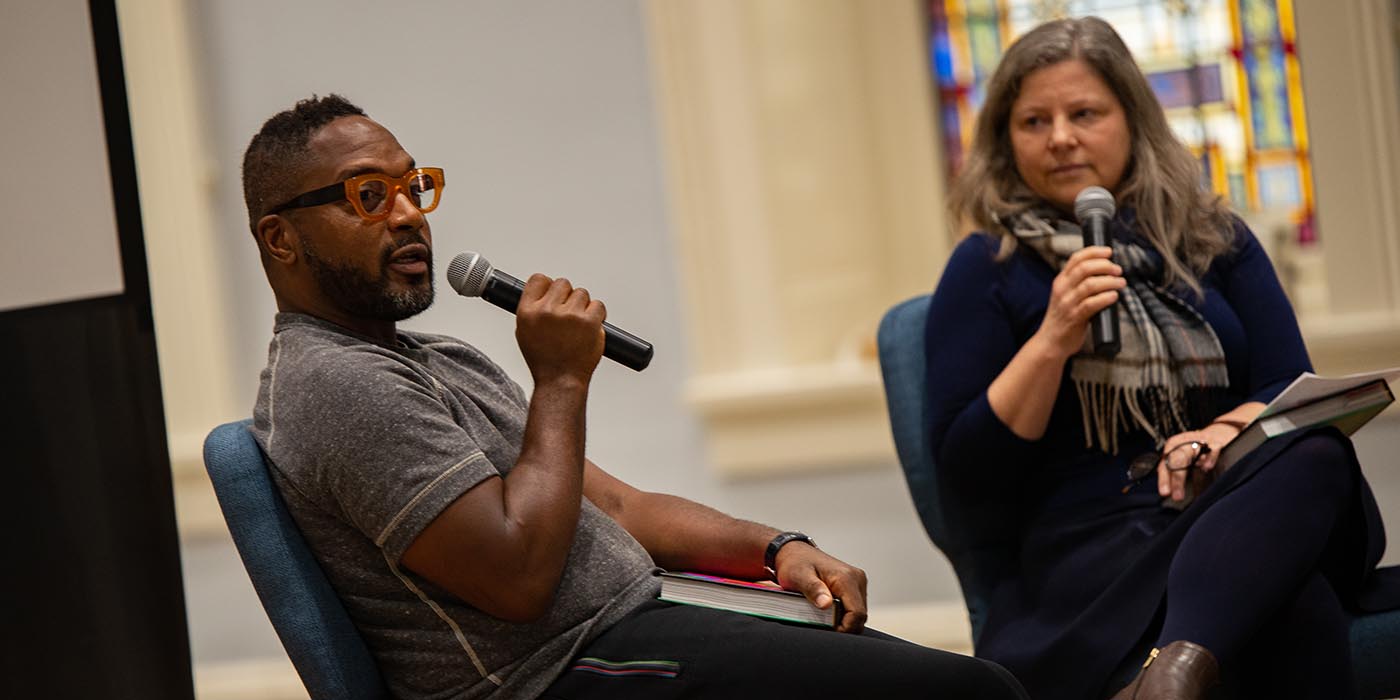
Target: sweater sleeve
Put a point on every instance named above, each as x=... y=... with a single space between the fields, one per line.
x=970 y=337
x=1276 y=353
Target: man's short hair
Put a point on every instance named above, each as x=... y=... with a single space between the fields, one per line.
x=277 y=156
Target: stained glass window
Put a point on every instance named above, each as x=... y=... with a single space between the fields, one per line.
x=1225 y=71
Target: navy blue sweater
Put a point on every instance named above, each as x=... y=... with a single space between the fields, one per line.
x=983 y=311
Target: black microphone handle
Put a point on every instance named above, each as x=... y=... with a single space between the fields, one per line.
x=1104 y=325
x=621 y=347
x=1106 y=341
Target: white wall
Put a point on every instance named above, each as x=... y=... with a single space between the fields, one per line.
x=542 y=114
x=65 y=248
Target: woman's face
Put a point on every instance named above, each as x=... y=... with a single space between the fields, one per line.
x=1068 y=132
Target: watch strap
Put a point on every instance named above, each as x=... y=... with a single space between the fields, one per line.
x=770 y=555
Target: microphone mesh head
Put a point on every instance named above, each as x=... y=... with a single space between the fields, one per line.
x=467 y=274
x=1093 y=200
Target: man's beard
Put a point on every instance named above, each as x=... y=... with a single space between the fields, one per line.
x=355 y=292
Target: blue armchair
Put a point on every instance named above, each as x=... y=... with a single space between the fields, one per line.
x=322 y=643
x=975 y=537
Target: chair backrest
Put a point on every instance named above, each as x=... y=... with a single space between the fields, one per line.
x=322 y=643
x=975 y=537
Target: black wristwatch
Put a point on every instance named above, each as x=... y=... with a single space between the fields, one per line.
x=770 y=556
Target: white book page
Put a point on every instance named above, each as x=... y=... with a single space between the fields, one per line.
x=1309 y=387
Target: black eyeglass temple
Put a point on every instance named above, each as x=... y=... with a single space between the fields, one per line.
x=324 y=195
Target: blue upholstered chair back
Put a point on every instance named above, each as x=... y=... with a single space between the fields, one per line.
x=975 y=537
x=322 y=643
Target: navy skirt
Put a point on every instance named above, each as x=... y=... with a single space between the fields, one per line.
x=1087 y=602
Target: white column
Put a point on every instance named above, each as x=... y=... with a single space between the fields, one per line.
x=176 y=180
x=1348 y=58
x=806 y=190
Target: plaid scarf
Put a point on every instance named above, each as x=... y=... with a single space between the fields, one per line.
x=1171 y=369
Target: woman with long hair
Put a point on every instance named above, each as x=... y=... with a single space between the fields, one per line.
x=1134 y=574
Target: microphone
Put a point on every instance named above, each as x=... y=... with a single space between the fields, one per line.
x=1093 y=207
x=473 y=276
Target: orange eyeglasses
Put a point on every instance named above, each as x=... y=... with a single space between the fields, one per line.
x=372 y=194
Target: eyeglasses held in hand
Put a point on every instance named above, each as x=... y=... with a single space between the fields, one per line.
x=373 y=194
x=1179 y=459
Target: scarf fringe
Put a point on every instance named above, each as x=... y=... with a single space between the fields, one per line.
x=1110 y=410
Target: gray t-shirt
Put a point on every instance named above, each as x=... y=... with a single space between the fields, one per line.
x=368 y=444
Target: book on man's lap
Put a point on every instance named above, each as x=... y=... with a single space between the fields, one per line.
x=1312 y=401
x=759 y=598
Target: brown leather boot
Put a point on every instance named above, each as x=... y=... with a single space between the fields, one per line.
x=1178 y=671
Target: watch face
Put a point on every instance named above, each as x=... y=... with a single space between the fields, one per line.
x=770 y=557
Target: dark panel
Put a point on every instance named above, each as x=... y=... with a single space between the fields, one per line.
x=121 y=157
x=93 y=597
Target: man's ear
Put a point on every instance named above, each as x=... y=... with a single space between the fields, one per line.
x=277 y=237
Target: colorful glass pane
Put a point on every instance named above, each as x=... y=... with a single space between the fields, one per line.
x=1225 y=71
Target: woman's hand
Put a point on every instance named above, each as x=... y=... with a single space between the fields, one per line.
x=1088 y=284
x=1023 y=395
x=1172 y=483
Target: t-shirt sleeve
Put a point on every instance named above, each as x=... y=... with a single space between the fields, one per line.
x=969 y=340
x=366 y=437
x=1277 y=354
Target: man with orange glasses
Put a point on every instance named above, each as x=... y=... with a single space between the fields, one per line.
x=478 y=551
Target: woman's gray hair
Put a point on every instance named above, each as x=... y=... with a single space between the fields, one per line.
x=1187 y=224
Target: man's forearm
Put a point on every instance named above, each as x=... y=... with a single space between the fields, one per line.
x=685 y=536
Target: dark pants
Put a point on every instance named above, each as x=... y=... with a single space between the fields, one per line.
x=1247 y=581
x=664 y=650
